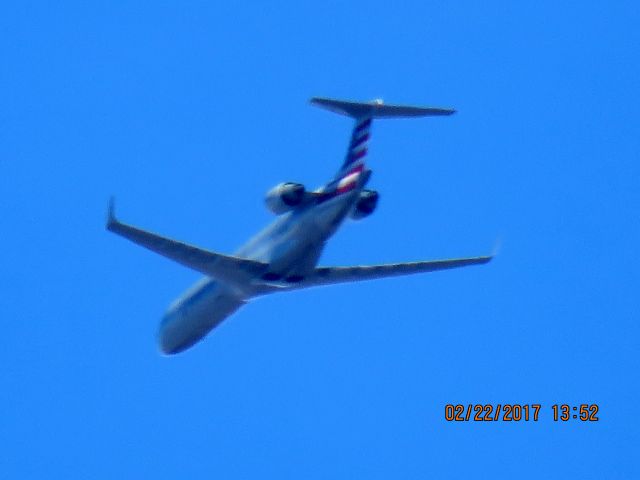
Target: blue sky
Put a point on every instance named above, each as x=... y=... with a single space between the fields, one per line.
x=189 y=111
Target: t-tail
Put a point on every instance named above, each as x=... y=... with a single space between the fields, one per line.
x=363 y=113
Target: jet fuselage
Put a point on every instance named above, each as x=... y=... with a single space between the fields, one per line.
x=291 y=245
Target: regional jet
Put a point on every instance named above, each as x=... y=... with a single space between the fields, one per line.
x=283 y=256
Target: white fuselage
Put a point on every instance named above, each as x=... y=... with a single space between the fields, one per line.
x=291 y=246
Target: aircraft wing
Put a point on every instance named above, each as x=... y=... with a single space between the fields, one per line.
x=331 y=275
x=223 y=267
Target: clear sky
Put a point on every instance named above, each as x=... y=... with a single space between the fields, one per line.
x=189 y=111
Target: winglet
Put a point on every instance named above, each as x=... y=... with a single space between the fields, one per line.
x=111 y=215
x=496 y=247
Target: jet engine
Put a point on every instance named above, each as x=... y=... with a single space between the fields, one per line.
x=284 y=197
x=365 y=205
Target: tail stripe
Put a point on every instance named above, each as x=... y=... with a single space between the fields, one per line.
x=366 y=123
x=358 y=155
x=359 y=142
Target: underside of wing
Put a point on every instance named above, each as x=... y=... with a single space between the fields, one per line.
x=222 y=267
x=332 y=275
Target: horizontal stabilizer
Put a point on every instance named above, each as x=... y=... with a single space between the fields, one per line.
x=377 y=109
x=222 y=267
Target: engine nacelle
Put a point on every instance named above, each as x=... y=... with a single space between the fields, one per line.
x=365 y=205
x=284 y=197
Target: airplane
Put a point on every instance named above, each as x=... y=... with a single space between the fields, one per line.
x=283 y=256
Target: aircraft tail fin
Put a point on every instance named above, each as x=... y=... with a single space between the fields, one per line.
x=364 y=113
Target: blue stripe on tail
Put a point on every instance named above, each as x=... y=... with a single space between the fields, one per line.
x=359 y=143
